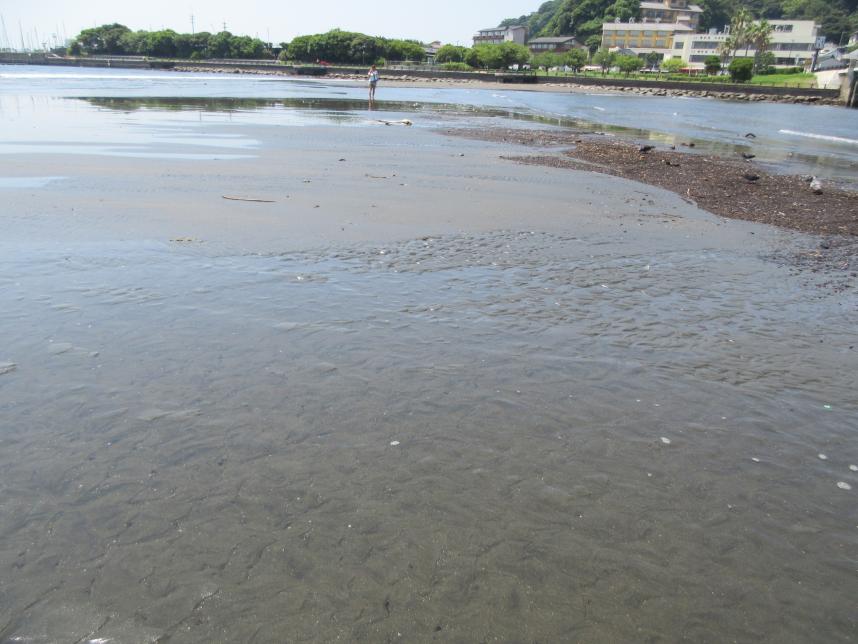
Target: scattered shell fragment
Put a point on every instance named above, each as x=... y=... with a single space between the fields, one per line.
x=843 y=485
x=854 y=468
x=822 y=457
x=755 y=459
x=394 y=443
x=664 y=440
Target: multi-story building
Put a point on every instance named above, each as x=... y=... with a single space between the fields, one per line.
x=498 y=35
x=672 y=12
x=792 y=43
x=643 y=37
x=553 y=44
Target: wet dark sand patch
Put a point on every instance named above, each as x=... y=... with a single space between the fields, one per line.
x=732 y=188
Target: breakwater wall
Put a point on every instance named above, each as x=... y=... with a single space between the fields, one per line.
x=849 y=88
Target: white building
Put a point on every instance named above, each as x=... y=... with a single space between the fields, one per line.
x=498 y=35
x=792 y=43
x=671 y=12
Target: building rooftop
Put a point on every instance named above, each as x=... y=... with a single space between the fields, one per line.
x=499 y=28
x=692 y=8
x=649 y=26
x=550 y=39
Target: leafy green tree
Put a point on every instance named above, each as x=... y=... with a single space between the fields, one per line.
x=106 y=39
x=547 y=60
x=337 y=46
x=593 y=43
x=652 y=59
x=514 y=54
x=134 y=43
x=741 y=70
x=485 y=56
x=218 y=45
x=672 y=65
x=451 y=54
x=407 y=50
x=575 y=58
x=629 y=64
x=604 y=58
x=161 y=43
x=766 y=63
x=712 y=65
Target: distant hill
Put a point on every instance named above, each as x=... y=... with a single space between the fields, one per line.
x=584 y=18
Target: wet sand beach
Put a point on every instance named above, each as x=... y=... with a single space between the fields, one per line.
x=417 y=393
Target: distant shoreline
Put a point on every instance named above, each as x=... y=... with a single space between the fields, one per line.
x=419 y=78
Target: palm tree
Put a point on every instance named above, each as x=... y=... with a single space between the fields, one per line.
x=739 y=26
x=727 y=49
x=760 y=36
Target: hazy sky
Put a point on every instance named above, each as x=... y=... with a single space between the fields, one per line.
x=450 y=21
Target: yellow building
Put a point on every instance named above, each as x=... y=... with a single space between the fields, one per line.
x=642 y=37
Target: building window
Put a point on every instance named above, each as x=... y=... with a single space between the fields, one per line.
x=678 y=45
x=647 y=33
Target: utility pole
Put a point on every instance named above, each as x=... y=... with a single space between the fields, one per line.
x=224 y=25
x=193 y=32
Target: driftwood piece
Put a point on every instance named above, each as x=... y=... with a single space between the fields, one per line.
x=233 y=198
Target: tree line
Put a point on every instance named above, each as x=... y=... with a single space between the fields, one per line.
x=338 y=46
x=119 y=40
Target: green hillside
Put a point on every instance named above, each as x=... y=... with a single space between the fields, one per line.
x=584 y=18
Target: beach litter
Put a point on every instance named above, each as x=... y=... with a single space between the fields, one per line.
x=394 y=443
x=7 y=367
x=234 y=198
x=400 y=122
x=816 y=186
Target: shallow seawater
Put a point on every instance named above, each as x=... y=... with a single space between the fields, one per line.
x=602 y=420
x=796 y=139
x=511 y=436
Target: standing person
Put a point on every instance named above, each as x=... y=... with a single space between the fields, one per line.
x=372 y=75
